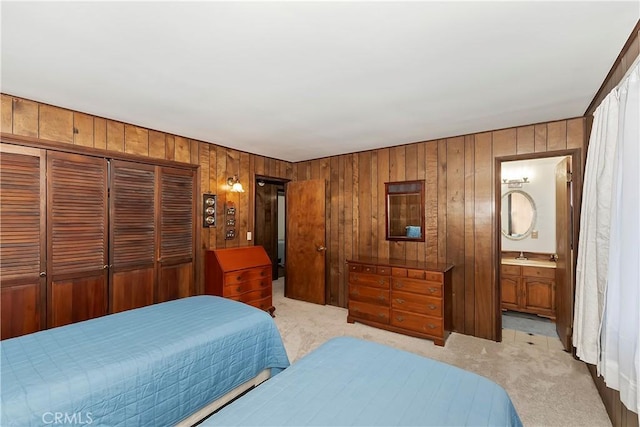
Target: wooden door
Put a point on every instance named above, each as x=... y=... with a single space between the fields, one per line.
x=132 y=235
x=306 y=246
x=266 y=224
x=564 y=266
x=175 y=195
x=23 y=240
x=76 y=238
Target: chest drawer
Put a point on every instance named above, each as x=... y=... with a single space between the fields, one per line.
x=416 y=322
x=253 y=296
x=418 y=286
x=247 y=275
x=510 y=270
x=414 y=303
x=372 y=312
x=248 y=286
x=369 y=294
x=369 y=280
x=547 y=273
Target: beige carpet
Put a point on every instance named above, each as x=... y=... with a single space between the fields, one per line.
x=547 y=387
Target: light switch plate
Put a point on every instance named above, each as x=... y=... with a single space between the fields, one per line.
x=534 y=234
x=248 y=235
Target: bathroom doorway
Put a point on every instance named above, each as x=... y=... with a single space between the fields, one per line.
x=270 y=221
x=536 y=225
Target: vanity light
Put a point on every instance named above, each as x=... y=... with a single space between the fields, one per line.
x=515 y=183
x=234 y=184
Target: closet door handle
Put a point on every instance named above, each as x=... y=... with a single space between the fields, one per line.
x=43 y=274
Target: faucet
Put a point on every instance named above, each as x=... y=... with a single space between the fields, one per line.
x=521 y=256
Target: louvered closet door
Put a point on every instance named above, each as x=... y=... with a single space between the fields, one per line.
x=22 y=240
x=77 y=237
x=176 y=201
x=133 y=235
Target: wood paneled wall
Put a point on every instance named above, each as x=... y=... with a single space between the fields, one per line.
x=460 y=182
x=459 y=192
x=28 y=118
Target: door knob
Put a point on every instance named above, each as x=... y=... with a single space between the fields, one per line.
x=321 y=248
x=42 y=274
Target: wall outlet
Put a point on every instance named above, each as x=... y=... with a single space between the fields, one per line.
x=534 y=234
x=248 y=235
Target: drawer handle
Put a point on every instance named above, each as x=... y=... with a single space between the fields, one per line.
x=431 y=326
x=381 y=281
x=433 y=290
x=239 y=278
x=355 y=292
x=399 y=284
x=400 y=318
x=355 y=277
x=381 y=315
x=239 y=289
x=367 y=269
x=264 y=283
x=381 y=298
x=262 y=273
x=399 y=300
x=431 y=306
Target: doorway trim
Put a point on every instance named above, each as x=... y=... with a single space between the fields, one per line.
x=575 y=156
x=270 y=180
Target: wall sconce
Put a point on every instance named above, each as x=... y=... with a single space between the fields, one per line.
x=234 y=185
x=515 y=183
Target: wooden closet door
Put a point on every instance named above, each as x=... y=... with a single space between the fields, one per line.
x=22 y=240
x=76 y=238
x=132 y=235
x=176 y=208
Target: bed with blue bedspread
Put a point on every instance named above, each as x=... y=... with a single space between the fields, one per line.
x=153 y=366
x=351 y=382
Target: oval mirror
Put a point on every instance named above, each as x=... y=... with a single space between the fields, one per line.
x=518 y=215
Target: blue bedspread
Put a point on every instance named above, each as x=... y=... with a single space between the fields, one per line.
x=348 y=381
x=153 y=366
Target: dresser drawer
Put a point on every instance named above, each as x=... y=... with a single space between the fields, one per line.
x=248 y=286
x=249 y=297
x=369 y=294
x=383 y=271
x=547 y=273
x=246 y=275
x=355 y=267
x=417 y=322
x=263 y=304
x=414 y=303
x=369 y=280
x=418 y=286
x=510 y=270
x=363 y=310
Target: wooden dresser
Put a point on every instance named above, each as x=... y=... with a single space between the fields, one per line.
x=241 y=274
x=411 y=298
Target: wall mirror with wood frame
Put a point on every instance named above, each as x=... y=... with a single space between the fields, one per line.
x=404 y=208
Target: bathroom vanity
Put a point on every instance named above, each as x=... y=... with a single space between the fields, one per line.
x=529 y=286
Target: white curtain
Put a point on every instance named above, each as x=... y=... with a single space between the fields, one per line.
x=607 y=312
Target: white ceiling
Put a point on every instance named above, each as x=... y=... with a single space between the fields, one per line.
x=303 y=80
